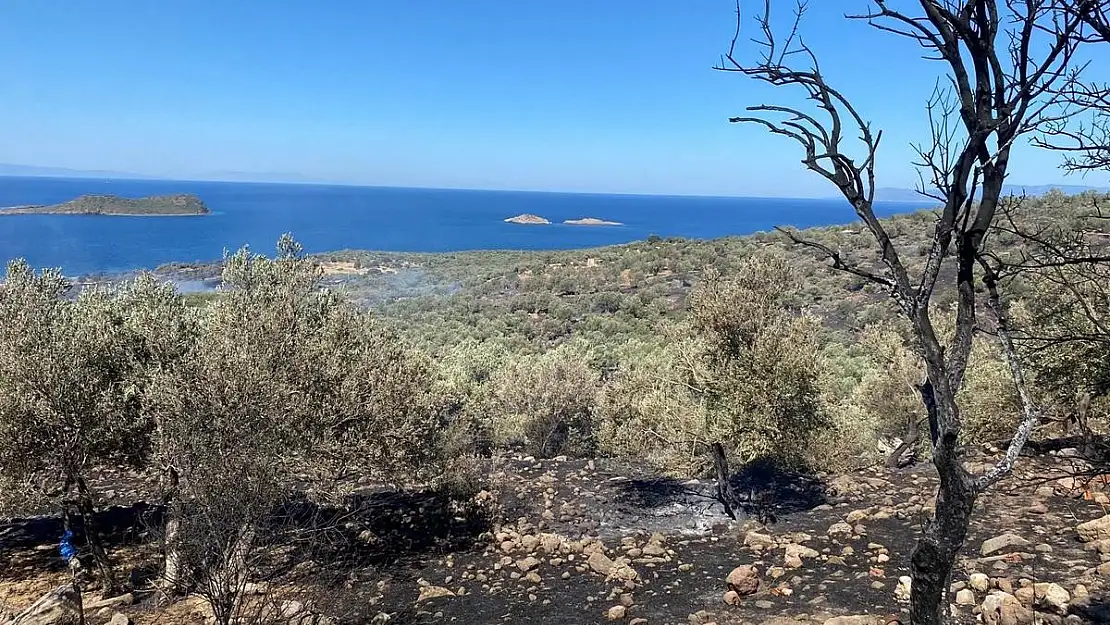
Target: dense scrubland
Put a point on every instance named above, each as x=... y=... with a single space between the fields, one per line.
x=314 y=376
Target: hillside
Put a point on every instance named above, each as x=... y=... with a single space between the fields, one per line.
x=161 y=205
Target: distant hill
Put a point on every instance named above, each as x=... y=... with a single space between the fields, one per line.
x=34 y=171
x=156 y=205
x=896 y=194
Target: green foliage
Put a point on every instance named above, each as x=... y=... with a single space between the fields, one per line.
x=73 y=374
x=762 y=361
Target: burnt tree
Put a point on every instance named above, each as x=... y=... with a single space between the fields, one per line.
x=1005 y=61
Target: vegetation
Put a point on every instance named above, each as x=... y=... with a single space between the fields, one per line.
x=180 y=204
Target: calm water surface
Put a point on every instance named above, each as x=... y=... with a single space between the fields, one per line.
x=325 y=218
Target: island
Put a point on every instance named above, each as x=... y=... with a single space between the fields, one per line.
x=155 y=205
x=592 y=221
x=528 y=219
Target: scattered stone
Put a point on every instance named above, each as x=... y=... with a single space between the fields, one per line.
x=1005 y=541
x=1052 y=596
x=902 y=590
x=616 y=613
x=527 y=564
x=731 y=597
x=965 y=597
x=1097 y=529
x=744 y=580
x=753 y=538
x=840 y=530
x=433 y=592
x=1002 y=608
x=979 y=582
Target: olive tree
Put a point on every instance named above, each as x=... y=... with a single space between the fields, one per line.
x=760 y=362
x=1004 y=61
x=285 y=381
x=72 y=376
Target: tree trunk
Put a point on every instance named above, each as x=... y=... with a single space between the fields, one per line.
x=171 y=572
x=725 y=493
x=94 y=539
x=944 y=535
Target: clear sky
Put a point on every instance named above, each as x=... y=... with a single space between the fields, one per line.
x=574 y=95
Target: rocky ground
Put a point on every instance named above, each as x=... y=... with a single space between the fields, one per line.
x=601 y=541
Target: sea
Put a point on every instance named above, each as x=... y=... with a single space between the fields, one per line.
x=329 y=218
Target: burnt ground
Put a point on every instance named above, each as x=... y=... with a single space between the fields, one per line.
x=527 y=551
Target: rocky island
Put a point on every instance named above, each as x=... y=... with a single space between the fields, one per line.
x=592 y=221
x=528 y=218
x=156 y=205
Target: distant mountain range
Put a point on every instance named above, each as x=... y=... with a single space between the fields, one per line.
x=33 y=171
x=894 y=194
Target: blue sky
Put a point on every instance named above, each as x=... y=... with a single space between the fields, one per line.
x=576 y=95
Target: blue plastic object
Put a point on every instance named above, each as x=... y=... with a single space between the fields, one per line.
x=66 y=547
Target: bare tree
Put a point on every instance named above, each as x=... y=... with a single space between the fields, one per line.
x=1004 y=60
x=1082 y=130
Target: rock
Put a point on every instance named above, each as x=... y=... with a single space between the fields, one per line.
x=979 y=582
x=1001 y=608
x=1051 y=596
x=119 y=619
x=902 y=590
x=855 y=516
x=111 y=602
x=754 y=538
x=744 y=580
x=965 y=597
x=527 y=564
x=859 y=619
x=600 y=563
x=1005 y=541
x=638 y=621
x=731 y=597
x=799 y=552
x=433 y=592
x=616 y=613
x=1094 y=530
x=840 y=530
x=61 y=606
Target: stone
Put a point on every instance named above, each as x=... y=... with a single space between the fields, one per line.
x=965 y=597
x=840 y=530
x=119 y=619
x=638 y=621
x=61 y=606
x=858 y=619
x=855 y=516
x=111 y=602
x=600 y=563
x=1097 y=529
x=433 y=592
x=731 y=597
x=527 y=564
x=1051 y=596
x=616 y=613
x=1005 y=541
x=902 y=590
x=979 y=582
x=753 y=538
x=744 y=580
x=1001 y=608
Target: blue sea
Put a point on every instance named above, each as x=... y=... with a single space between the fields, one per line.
x=326 y=218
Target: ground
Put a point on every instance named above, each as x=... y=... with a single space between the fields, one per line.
x=574 y=541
